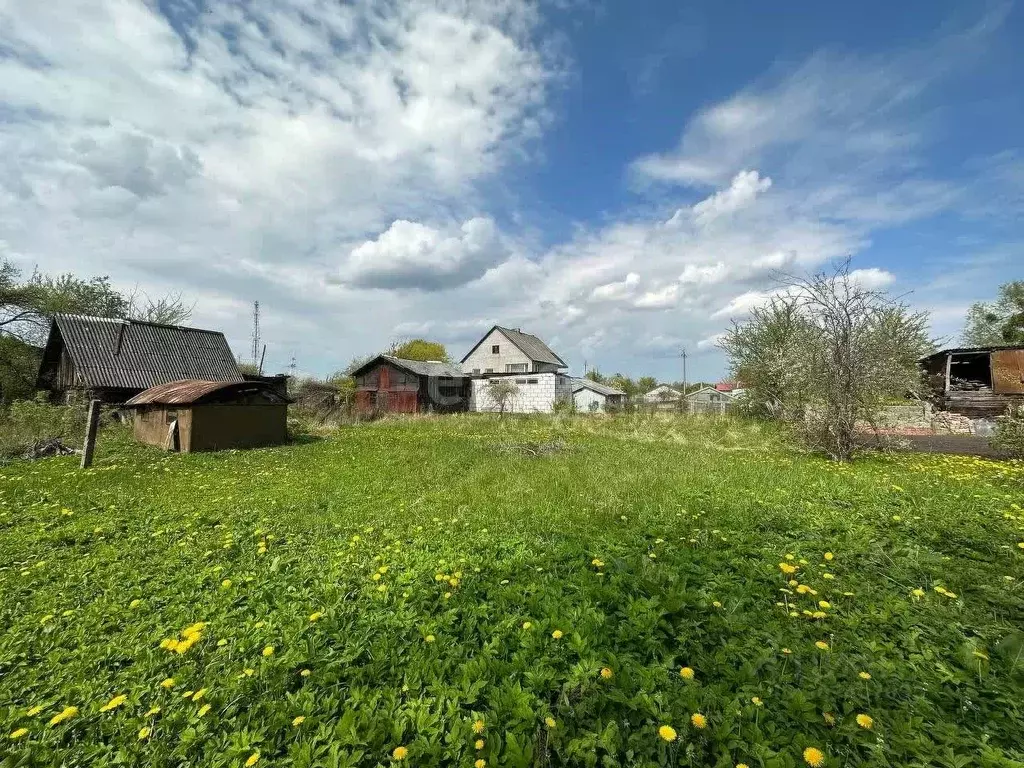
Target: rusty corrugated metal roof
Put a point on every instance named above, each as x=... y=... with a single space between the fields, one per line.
x=192 y=391
x=130 y=354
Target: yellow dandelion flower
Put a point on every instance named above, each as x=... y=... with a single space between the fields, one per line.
x=152 y=711
x=226 y=584
x=829 y=556
x=787 y=568
x=400 y=753
x=557 y=634
x=917 y=593
x=65 y=714
x=756 y=701
x=19 y=733
x=167 y=682
x=429 y=639
x=204 y=709
x=478 y=726
x=253 y=759
x=686 y=673
x=34 y=711
x=480 y=763
x=144 y=733
x=606 y=673
x=316 y=616
x=550 y=722
x=865 y=721
x=667 y=732
x=199 y=694
x=114 y=703
x=135 y=603
x=298 y=721
x=821 y=645
x=824 y=604
x=786 y=651
x=305 y=673
x=864 y=675
x=268 y=651
x=527 y=625
x=742 y=765
x=698 y=720
x=479 y=744
x=814 y=757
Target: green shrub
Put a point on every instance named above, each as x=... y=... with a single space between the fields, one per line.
x=1009 y=436
x=26 y=423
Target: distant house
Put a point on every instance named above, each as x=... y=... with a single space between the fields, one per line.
x=523 y=359
x=663 y=394
x=113 y=360
x=978 y=382
x=388 y=384
x=589 y=396
x=192 y=415
x=710 y=395
x=509 y=350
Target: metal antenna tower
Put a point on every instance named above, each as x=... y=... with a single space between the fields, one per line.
x=255 y=332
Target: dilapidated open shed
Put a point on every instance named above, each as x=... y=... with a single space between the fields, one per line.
x=193 y=415
x=978 y=382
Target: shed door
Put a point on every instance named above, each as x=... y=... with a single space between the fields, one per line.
x=1008 y=372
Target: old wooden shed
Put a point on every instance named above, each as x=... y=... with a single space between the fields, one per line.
x=978 y=382
x=193 y=415
x=392 y=385
x=113 y=359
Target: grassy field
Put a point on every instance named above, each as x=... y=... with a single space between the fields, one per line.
x=468 y=592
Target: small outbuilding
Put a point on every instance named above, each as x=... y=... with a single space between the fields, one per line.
x=590 y=397
x=388 y=384
x=977 y=382
x=194 y=415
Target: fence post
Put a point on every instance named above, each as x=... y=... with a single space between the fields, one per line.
x=90 y=433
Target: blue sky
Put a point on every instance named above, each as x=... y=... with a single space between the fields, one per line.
x=621 y=179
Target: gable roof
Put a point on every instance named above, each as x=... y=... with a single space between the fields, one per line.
x=528 y=344
x=593 y=386
x=131 y=354
x=416 y=367
x=710 y=389
x=192 y=391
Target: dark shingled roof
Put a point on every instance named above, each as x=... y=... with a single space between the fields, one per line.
x=131 y=354
x=593 y=386
x=530 y=345
x=418 y=367
x=192 y=391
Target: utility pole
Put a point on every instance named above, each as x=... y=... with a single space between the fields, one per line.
x=255 y=332
x=685 y=401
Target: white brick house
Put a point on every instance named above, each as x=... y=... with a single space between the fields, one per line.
x=536 y=393
x=509 y=350
x=523 y=359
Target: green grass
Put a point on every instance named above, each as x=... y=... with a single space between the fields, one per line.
x=472 y=536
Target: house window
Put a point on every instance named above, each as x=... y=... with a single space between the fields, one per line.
x=531 y=381
x=495 y=349
x=515 y=368
x=489 y=370
x=520 y=381
x=476 y=370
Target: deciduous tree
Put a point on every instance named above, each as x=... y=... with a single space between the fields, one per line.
x=997 y=322
x=827 y=352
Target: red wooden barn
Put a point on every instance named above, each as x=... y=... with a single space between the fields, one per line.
x=392 y=385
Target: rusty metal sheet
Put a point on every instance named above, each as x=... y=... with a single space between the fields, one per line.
x=1008 y=371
